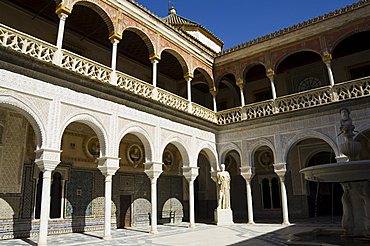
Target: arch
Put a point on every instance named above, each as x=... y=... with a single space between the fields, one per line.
x=211 y=155
x=182 y=61
x=285 y=56
x=181 y=146
x=226 y=149
x=147 y=40
x=306 y=134
x=365 y=126
x=103 y=12
x=206 y=75
x=347 y=35
x=251 y=65
x=260 y=143
x=18 y=104
x=92 y=122
x=144 y=137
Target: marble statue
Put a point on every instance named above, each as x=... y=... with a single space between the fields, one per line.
x=223 y=185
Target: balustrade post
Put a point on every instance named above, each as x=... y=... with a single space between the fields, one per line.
x=213 y=91
x=62 y=12
x=188 y=77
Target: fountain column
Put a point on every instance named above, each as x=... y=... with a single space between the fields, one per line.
x=280 y=170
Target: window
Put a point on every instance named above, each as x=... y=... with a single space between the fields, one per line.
x=308 y=84
x=270 y=193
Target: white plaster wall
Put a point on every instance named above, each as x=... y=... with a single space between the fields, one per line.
x=202 y=38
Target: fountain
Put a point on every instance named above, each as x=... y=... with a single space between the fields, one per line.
x=354 y=176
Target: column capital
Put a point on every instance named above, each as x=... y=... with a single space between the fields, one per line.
x=280 y=169
x=326 y=57
x=108 y=165
x=154 y=58
x=63 y=10
x=240 y=83
x=47 y=159
x=213 y=90
x=247 y=172
x=190 y=173
x=153 y=169
x=188 y=76
x=270 y=73
x=115 y=38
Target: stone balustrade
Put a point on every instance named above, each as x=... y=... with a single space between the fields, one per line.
x=43 y=51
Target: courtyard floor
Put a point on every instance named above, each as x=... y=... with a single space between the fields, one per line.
x=203 y=234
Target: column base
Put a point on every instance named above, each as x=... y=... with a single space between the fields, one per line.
x=251 y=223
x=107 y=237
x=153 y=232
x=42 y=243
x=286 y=223
x=224 y=216
x=192 y=226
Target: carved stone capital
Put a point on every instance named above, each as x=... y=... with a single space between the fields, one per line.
x=326 y=57
x=154 y=58
x=115 y=37
x=153 y=169
x=62 y=9
x=280 y=169
x=190 y=173
x=47 y=159
x=240 y=83
x=188 y=76
x=108 y=166
x=247 y=173
x=270 y=73
x=213 y=90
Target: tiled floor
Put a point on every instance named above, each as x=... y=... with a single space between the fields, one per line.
x=203 y=234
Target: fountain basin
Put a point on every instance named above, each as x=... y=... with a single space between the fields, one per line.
x=351 y=171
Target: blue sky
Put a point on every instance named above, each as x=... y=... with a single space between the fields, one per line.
x=238 y=21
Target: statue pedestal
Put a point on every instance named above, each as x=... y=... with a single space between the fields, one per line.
x=224 y=216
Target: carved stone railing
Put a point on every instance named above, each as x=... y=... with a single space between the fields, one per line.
x=134 y=85
x=26 y=44
x=85 y=67
x=172 y=100
x=258 y=110
x=353 y=89
x=45 y=52
x=304 y=99
x=204 y=113
x=229 y=116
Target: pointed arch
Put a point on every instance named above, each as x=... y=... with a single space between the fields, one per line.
x=91 y=121
x=22 y=106
x=144 y=137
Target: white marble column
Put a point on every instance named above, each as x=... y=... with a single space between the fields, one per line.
x=240 y=83
x=271 y=74
x=213 y=91
x=188 y=77
x=247 y=173
x=153 y=170
x=326 y=58
x=114 y=39
x=108 y=167
x=62 y=199
x=155 y=60
x=46 y=160
x=57 y=59
x=191 y=173
x=284 y=201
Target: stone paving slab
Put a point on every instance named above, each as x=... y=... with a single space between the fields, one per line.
x=202 y=234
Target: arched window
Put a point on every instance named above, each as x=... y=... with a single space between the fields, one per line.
x=56 y=196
